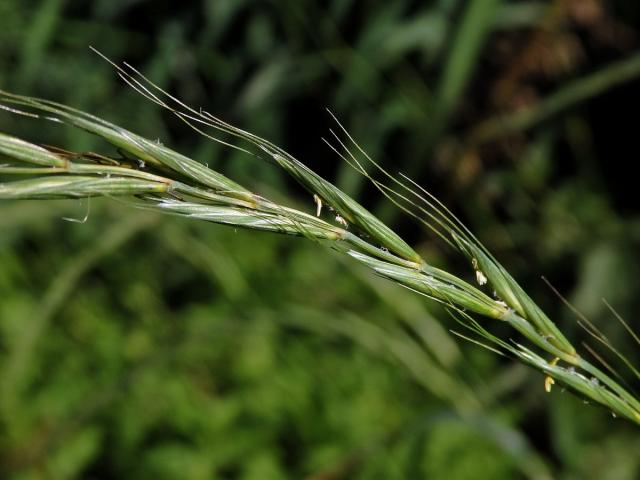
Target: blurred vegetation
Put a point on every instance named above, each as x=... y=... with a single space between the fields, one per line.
x=141 y=346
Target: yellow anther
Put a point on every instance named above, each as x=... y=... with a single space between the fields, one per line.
x=548 y=381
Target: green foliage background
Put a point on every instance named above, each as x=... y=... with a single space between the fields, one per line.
x=140 y=346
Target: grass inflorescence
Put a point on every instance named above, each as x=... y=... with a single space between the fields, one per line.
x=152 y=176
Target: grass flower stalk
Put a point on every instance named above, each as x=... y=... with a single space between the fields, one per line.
x=152 y=176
